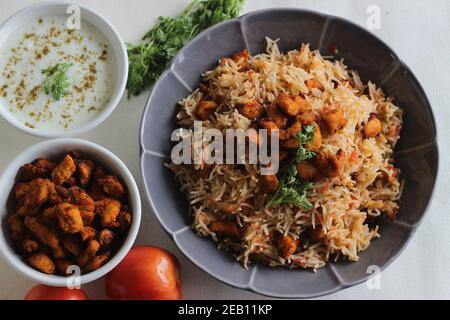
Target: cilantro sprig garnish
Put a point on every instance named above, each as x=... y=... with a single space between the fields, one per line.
x=292 y=190
x=56 y=82
x=304 y=137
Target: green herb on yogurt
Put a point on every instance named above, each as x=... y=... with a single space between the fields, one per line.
x=56 y=82
x=149 y=59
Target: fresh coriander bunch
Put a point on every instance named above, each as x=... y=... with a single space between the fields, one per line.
x=149 y=59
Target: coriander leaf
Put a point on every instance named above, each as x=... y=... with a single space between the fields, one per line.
x=292 y=190
x=149 y=59
x=304 y=154
x=305 y=136
x=56 y=82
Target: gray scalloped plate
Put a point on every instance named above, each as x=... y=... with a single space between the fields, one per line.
x=416 y=153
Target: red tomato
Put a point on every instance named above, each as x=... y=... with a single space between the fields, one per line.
x=43 y=292
x=146 y=273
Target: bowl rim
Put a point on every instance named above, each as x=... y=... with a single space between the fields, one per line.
x=249 y=286
x=15 y=261
x=113 y=36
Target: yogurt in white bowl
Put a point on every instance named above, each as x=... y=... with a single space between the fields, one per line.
x=63 y=69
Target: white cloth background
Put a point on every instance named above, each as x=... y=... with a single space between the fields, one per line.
x=418 y=31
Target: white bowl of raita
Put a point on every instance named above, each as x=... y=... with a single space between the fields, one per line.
x=63 y=69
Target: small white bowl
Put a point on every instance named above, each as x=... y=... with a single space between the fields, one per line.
x=117 y=51
x=57 y=148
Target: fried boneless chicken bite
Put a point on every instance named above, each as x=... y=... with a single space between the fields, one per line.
x=63 y=170
x=17 y=227
x=287 y=246
x=314 y=84
x=334 y=120
x=81 y=199
x=91 y=249
x=73 y=244
x=84 y=171
x=275 y=114
x=241 y=58
x=68 y=212
x=21 y=189
x=39 y=168
x=88 y=233
x=62 y=266
x=205 y=109
x=31 y=195
x=42 y=262
x=373 y=126
x=38 y=192
x=124 y=219
x=306 y=171
x=252 y=110
x=44 y=164
x=96 y=262
x=29 y=172
x=30 y=245
x=330 y=165
x=112 y=186
x=105 y=237
x=269 y=183
x=230 y=229
x=108 y=210
x=43 y=233
x=69 y=218
x=292 y=105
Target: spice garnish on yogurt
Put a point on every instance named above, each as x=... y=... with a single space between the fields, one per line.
x=55 y=78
